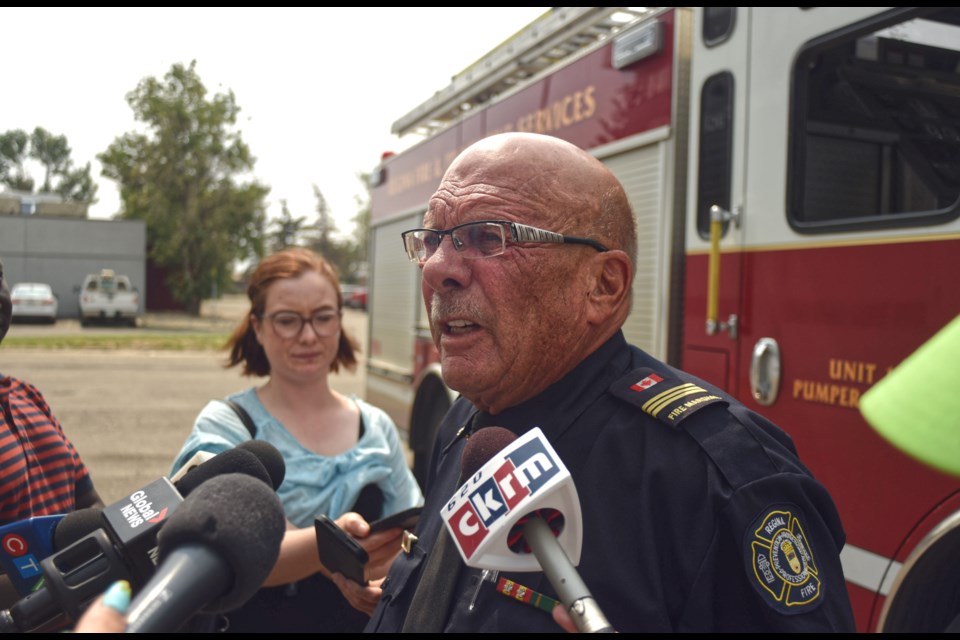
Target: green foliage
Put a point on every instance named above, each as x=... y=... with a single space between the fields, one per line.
x=348 y=255
x=286 y=230
x=173 y=341
x=53 y=152
x=13 y=153
x=183 y=178
x=326 y=227
x=321 y=237
x=77 y=185
x=361 y=223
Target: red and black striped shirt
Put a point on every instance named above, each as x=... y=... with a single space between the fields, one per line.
x=40 y=471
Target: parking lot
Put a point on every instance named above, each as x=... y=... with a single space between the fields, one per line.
x=128 y=412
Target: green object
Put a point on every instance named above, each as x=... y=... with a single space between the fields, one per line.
x=917 y=405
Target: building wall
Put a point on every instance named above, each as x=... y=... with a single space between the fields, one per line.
x=61 y=209
x=61 y=251
x=9 y=206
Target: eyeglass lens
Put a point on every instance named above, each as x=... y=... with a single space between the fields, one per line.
x=289 y=324
x=476 y=239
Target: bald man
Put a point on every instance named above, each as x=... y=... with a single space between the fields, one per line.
x=700 y=520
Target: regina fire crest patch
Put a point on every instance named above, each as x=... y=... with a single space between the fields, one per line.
x=781 y=562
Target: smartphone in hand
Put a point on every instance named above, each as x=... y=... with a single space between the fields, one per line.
x=406 y=519
x=339 y=552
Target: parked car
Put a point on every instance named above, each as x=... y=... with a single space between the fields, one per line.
x=354 y=296
x=34 y=301
x=108 y=297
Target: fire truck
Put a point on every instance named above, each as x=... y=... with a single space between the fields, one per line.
x=795 y=176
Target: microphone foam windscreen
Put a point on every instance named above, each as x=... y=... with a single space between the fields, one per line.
x=76 y=525
x=230 y=461
x=240 y=519
x=269 y=456
x=481 y=447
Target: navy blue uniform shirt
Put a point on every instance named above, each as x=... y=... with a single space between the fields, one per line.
x=698 y=515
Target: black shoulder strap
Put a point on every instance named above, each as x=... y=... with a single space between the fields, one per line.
x=244 y=416
x=665 y=398
x=675 y=402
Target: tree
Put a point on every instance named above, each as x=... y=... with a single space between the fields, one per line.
x=361 y=225
x=325 y=225
x=53 y=152
x=13 y=154
x=183 y=178
x=349 y=255
x=287 y=229
x=323 y=240
x=77 y=185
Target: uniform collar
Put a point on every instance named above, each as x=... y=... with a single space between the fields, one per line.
x=560 y=404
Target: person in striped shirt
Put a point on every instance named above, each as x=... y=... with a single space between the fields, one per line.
x=41 y=472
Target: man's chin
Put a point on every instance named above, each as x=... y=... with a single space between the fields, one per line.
x=459 y=375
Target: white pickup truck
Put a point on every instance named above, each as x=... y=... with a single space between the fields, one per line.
x=108 y=297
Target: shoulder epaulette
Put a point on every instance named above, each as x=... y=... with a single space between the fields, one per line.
x=669 y=400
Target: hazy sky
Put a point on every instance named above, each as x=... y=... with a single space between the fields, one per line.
x=318 y=88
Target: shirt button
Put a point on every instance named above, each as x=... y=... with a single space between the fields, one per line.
x=407 y=542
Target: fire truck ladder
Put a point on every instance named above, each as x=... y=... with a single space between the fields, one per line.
x=554 y=36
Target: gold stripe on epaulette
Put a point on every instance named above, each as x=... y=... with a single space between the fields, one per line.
x=659 y=401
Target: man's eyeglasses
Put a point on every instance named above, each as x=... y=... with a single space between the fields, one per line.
x=287 y=324
x=483 y=239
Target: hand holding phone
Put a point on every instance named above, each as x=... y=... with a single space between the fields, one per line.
x=339 y=552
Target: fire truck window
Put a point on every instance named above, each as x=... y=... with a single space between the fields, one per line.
x=875 y=130
x=715 y=159
x=718 y=24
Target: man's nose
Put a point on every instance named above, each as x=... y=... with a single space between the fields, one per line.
x=446 y=267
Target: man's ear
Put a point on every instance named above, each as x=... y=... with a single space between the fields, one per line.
x=612 y=276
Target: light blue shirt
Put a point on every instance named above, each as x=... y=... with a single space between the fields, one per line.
x=313 y=484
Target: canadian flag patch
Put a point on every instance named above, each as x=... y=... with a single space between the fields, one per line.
x=646 y=383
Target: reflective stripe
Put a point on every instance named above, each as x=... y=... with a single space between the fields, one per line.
x=869 y=570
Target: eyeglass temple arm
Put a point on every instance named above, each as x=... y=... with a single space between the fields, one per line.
x=524 y=233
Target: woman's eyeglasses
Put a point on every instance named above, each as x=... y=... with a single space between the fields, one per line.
x=289 y=324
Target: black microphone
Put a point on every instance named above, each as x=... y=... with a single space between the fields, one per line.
x=215 y=553
x=76 y=525
x=123 y=547
x=523 y=526
x=270 y=457
x=237 y=460
x=133 y=522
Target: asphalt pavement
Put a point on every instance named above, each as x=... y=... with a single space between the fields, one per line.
x=128 y=411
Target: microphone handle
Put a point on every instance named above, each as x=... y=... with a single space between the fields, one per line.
x=72 y=578
x=186 y=580
x=574 y=595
